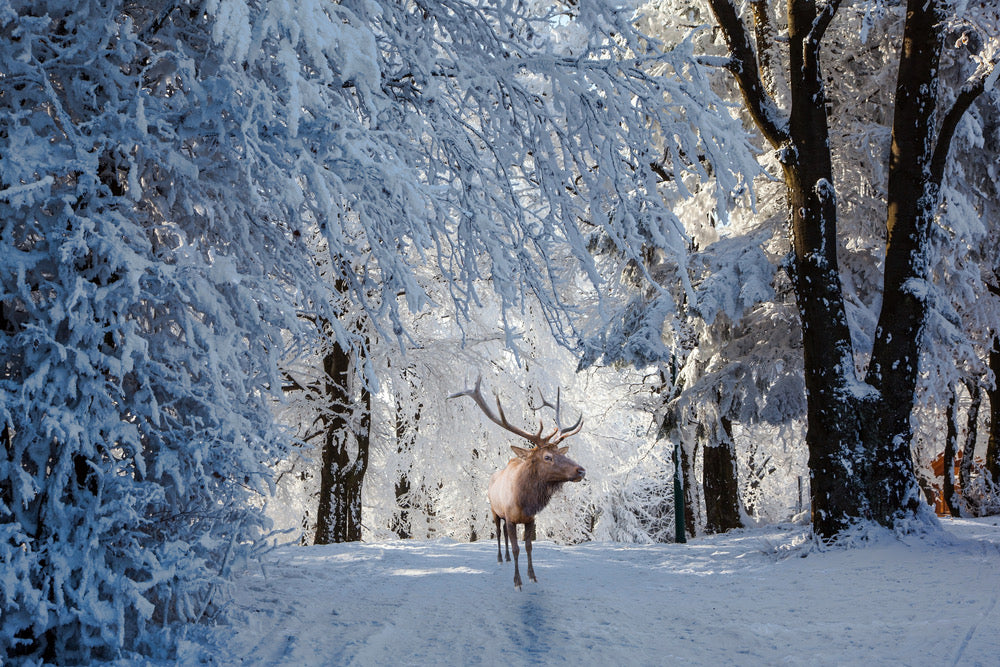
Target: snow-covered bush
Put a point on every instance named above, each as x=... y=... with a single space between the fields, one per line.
x=146 y=274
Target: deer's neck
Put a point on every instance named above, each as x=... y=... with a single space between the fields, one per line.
x=536 y=493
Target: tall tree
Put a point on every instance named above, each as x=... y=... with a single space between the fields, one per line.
x=858 y=433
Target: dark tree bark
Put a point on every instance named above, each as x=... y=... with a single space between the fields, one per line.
x=913 y=199
x=833 y=429
x=338 y=516
x=802 y=141
x=859 y=441
x=680 y=507
x=722 y=504
x=950 y=447
x=690 y=491
x=992 y=462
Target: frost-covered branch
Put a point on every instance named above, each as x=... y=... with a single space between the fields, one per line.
x=747 y=72
x=820 y=24
x=765 y=39
x=985 y=79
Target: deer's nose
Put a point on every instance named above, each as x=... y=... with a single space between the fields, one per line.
x=580 y=473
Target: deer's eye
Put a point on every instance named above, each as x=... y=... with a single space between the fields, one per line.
x=548 y=457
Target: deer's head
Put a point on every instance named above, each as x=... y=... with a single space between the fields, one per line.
x=550 y=464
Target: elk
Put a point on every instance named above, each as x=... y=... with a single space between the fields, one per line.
x=523 y=489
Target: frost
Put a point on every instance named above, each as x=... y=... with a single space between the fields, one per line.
x=825 y=190
x=231 y=27
x=17 y=195
x=739 y=277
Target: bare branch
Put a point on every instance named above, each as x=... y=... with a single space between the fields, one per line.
x=764 y=36
x=722 y=62
x=658 y=169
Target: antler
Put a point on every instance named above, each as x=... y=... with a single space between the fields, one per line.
x=560 y=433
x=500 y=419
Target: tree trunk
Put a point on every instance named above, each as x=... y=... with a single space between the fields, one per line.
x=969 y=449
x=992 y=462
x=406 y=435
x=833 y=431
x=670 y=432
x=692 y=501
x=913 y=197
x=722 y=503
x=680 y=507
x=758 y=470
x=338 y=517
x=691 y=504
x=400 y=523
x=950 y=447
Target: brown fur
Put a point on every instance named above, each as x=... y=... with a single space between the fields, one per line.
x=523 y=489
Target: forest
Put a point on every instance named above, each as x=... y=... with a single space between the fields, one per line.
x=249 y=249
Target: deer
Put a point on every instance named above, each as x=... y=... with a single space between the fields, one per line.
x=524 y=487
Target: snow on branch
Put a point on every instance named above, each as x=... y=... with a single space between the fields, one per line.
x=983 y=80
x=759 y=103
x=821 y=23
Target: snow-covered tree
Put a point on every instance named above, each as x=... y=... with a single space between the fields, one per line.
x=741 y=346
x=730 y=326
x=148 y=271
x=859 y=432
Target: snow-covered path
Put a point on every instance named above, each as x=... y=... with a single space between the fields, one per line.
x=747 y=598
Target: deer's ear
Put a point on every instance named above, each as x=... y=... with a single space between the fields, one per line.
x=521 y=452
x=562 y=450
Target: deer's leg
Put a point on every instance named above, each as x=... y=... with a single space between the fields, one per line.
x=506 y=541
x=496 y=522
x=512 y=531
x=529 y=535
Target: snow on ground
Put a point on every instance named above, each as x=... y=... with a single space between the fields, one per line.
x=753 y=597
